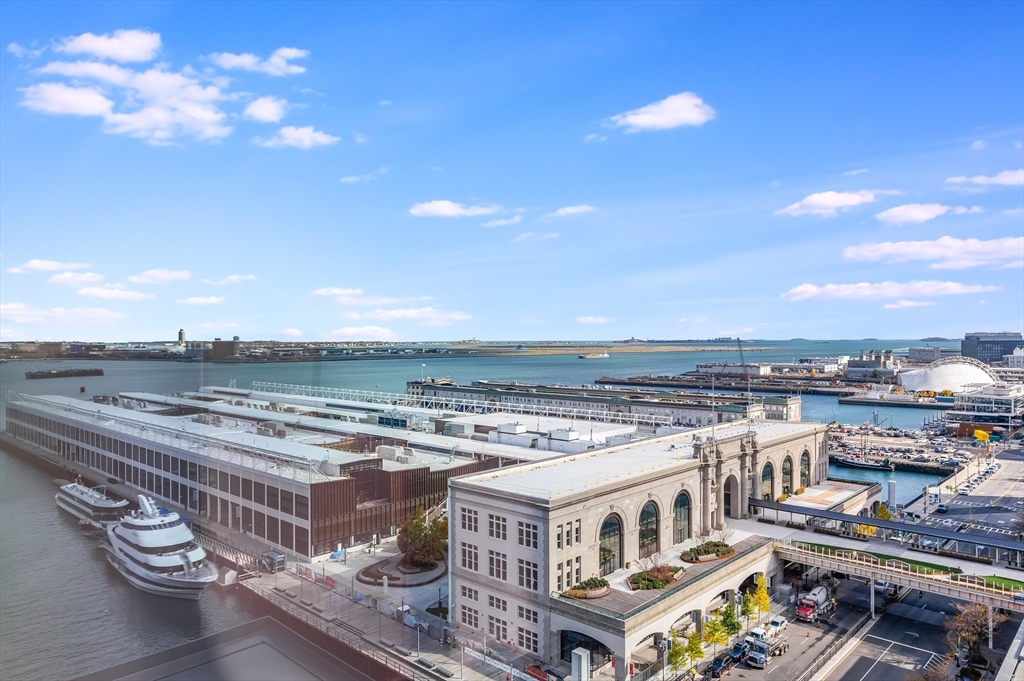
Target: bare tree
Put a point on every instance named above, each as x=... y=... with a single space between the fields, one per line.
x=971 y=624
x=651 y=563
x=723 y=535
x=702 y=534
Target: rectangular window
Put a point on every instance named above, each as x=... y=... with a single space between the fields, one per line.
x=469 y=593
x=469 y=520
x=174 y=465
x=259 y=524
x=193 y=472
x=236 y=486
x=579 y=577
x=301 y=540
x=559 y=577
x=496 y=603
x=286 y=502
x=470 y=617
x=213 y=478
x=579 y=528
x=247 y=489
x=496 y=526
x=259 y=493
x=528 y=615
x=527 y=535
x=222 y=482
x=527 y=640
x=272 y=529
x=302 y=506
x=272 y=497
x=527 y=575
x=167 y=463
x=470 y=557
x=559 y=540
x=225 y=512
x=202 y=475
x=150 y=456
x=497 y=565
x=568 y=534
x=158 y=460
x=497 y=628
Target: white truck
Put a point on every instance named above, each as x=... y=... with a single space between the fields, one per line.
x=813 y=604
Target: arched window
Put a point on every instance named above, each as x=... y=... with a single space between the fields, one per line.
x=648 y=530
x=787 y=475
x=767 y=482
x=610 y=552
x=681 y=518
x=805 y=469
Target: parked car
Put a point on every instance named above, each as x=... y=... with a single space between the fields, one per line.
x=739 y=651
x=942 y=508
x=720 y=666
x=779 y=624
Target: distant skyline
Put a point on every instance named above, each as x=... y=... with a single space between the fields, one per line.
x=527 y=171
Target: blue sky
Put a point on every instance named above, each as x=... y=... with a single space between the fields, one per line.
x=419 y=171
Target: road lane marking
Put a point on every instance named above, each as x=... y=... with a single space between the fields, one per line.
x=878 y=660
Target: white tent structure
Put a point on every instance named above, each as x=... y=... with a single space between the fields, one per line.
x=948 y=373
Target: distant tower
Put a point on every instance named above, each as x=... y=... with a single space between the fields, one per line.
x=181 y=336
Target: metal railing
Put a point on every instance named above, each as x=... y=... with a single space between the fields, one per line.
x=901 y=568
x=830 y=652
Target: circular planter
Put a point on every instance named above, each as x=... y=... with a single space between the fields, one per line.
x=584 y=594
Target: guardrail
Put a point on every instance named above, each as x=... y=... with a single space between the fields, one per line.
x=831 y=651
x=901 y=568
x=336 y=633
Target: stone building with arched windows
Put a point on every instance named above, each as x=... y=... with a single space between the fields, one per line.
x=521 y=535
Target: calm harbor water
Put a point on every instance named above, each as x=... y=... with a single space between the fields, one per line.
x=65 y=612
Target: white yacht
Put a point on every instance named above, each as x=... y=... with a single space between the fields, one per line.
x=92 y=507
x=157 y=553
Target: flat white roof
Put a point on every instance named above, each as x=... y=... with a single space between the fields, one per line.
x=588 y=430
x=569 y=475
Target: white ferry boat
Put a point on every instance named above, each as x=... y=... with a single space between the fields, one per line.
x=157 y=553
x=91 y=506
x=595 y=355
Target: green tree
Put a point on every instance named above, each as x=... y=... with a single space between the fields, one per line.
x=694 y=646
x=423 y=542
x=730 y=622
x=714 y=633
x=678 y=655
x=761 y=599
x=747 y=608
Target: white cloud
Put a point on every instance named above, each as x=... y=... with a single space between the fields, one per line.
x=686 y=108
x=266 y=109
x=1017 y=264
x=916 y=213
x=1014 y=211
x=594 y=137
x=1007 y=178
x=736 y=332
x=300 y=138
x=159 y=276
x=24 y=52
x=384 y=102
x=57 y=98
x=112 y=292
x=368 y=177
x=291 y=333
x=594 y=320
x=500 y=222
x=47 y=266
x=571 y=210
x=535 y=321
x=360 y=138
x=278 y=64
x=885 y=289
x=201 y=300
x=692 y=320
x=157 y=105
x=427 y=316
x=122 y=46
x=368 y=333
x=541 y=236
x=20 y=313
x=230 y=279
x=450 y=209
x=355 y=296
x=214 y=326
x=75 y=279
x=828 y=204
x=978 y=145
x=858 y=171
x=947 y=252
x=904 y=304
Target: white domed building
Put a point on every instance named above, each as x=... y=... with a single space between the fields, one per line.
x=948 y=373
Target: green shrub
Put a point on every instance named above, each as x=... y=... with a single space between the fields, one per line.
x=643 y=582
x=719 y=548
x=591 y=584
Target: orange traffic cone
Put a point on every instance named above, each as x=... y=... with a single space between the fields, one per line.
x=808 y=633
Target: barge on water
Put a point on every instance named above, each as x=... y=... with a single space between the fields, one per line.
x=857 y=462
x=63 y=373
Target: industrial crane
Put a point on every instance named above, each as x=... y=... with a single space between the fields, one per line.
x=740 y=346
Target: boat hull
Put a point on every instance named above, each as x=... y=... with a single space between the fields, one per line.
x=143 y=584
x=866 y=465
